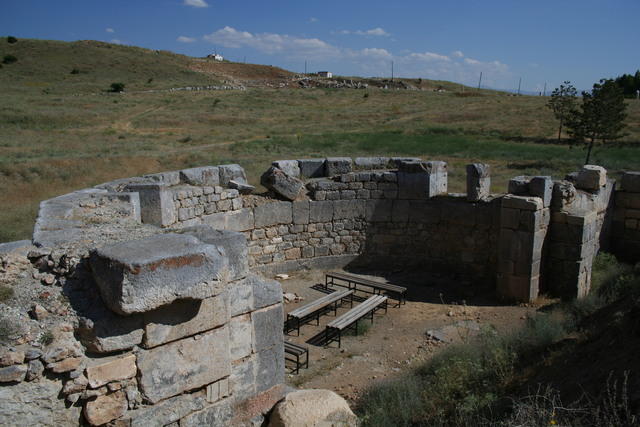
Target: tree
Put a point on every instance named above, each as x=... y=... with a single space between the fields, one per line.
x=117 y=87
x=563 y=103
x=601 y=116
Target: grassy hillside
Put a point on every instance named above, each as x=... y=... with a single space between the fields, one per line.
x=62 y=131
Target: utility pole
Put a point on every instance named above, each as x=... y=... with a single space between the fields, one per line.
x=519 y=83
x=480 y=81
x=305 y=67
x=544 y=92
x=391 y=70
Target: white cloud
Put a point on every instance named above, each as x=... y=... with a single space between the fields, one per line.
x=429 y=57
x=372 y=32
x=271 y=43
x=312 y=19
x=471 y=61
x=195 y=3
x=117 y=41
x=458 y=54
x=185 y=39
x=110 y=30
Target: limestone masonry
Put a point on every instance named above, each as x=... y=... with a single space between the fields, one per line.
x=169 y=319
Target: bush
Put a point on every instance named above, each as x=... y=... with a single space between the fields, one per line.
x=75 y=71
x=117 y=87
x=12 y=40
x=6 y=292
x=9 y=59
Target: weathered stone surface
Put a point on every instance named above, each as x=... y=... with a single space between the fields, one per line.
x=231 y=172
x=269 y=368
x=312 y=408
x=273 y=214
x=301 y=212
x=320 y=211
x=631 y=182
x=519 y=185
x=36 y=404
x=202 y=176
x=169 y=178
x=542 y=186
x=66 y=365
x=8 y=358
x=267 y=330
x=564 y=193
x=282 y=184
x=184 y=365
x=102 y=331
x=218 y=390
x=369 y=163
x=337 y=165
x=232 y=246
x=522 y=202
x=290 y=167
x=19 y=246
x=13 y=373
x=156 y=203
x=478 y=181
x=168 y=411
x=105 y=408
x=115 y=368
x=266 y=292
x=242 y=381
x=141 y=275
x=242 y=187
x=241 y=337
x=36 y=368
x=344 y=209
x=185 y=318
x=311 y=168
x=218 y=414
x=591 y=178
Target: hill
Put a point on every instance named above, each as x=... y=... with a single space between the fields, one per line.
x=61 y=131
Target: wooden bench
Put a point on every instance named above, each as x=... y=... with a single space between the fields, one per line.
x=314 y=309
x=399 y=292
x=296 y=351
x=333 y=331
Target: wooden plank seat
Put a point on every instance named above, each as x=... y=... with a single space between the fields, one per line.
x=399 y=293
x=333 y=330
x=314 y=309
x=299 y=356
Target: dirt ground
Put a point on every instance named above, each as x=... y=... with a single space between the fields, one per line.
x=439 y=311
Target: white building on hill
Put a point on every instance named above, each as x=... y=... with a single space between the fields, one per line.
x=215 y=57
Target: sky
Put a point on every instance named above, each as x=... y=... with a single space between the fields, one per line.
x=536 y=42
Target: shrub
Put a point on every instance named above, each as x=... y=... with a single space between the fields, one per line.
x=46 y=338
x=6 y=292
x=9 y=59
x=12 y=40
x=75 y=71
x=117 y=87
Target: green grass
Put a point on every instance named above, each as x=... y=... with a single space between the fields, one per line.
x=61 y=131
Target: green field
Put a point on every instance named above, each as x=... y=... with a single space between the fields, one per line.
x=61 y=131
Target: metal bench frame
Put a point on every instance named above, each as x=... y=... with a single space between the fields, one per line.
x=399 y=292
x=334 y=333
x=294 y=322
x=296 y=351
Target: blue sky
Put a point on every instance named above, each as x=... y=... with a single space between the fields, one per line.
x=538 y=41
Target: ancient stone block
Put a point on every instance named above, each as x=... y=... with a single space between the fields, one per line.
x=141 y=275
x=184 y=318
x=267 y=327
x=231 y=172
x=240 y=220
x=400 y=211
x=378 y=210
x=542 y=186
x=231 y=245
x=167 y=411
x=564 y=193
x=269 y=368
x=311 y=168
x=337 y=165
x=218 y=390
x=240 y=337
x=205 y=175
x=368 y=163
x=478 y=182
x=184 y=365
x=591 y=178
x=519 y=185
x=105 y=408
x=242 y=187
x=14 y=373
x=273 y=213
x=102 y=371
x=242 y=381
x=517 y=288
x=509 y=218
x=522 y=202
x=282 y=184
x=290 y=167
x=343 y=209
x=301 y=212
x=320 y=211
x=156 y=203
x=631 y=182
x=169 y=178
x=217 y=414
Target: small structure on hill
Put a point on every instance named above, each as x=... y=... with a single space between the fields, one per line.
x=327 y=74
x=216 y=57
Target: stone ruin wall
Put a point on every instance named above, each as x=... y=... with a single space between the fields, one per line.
x=160 y=334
